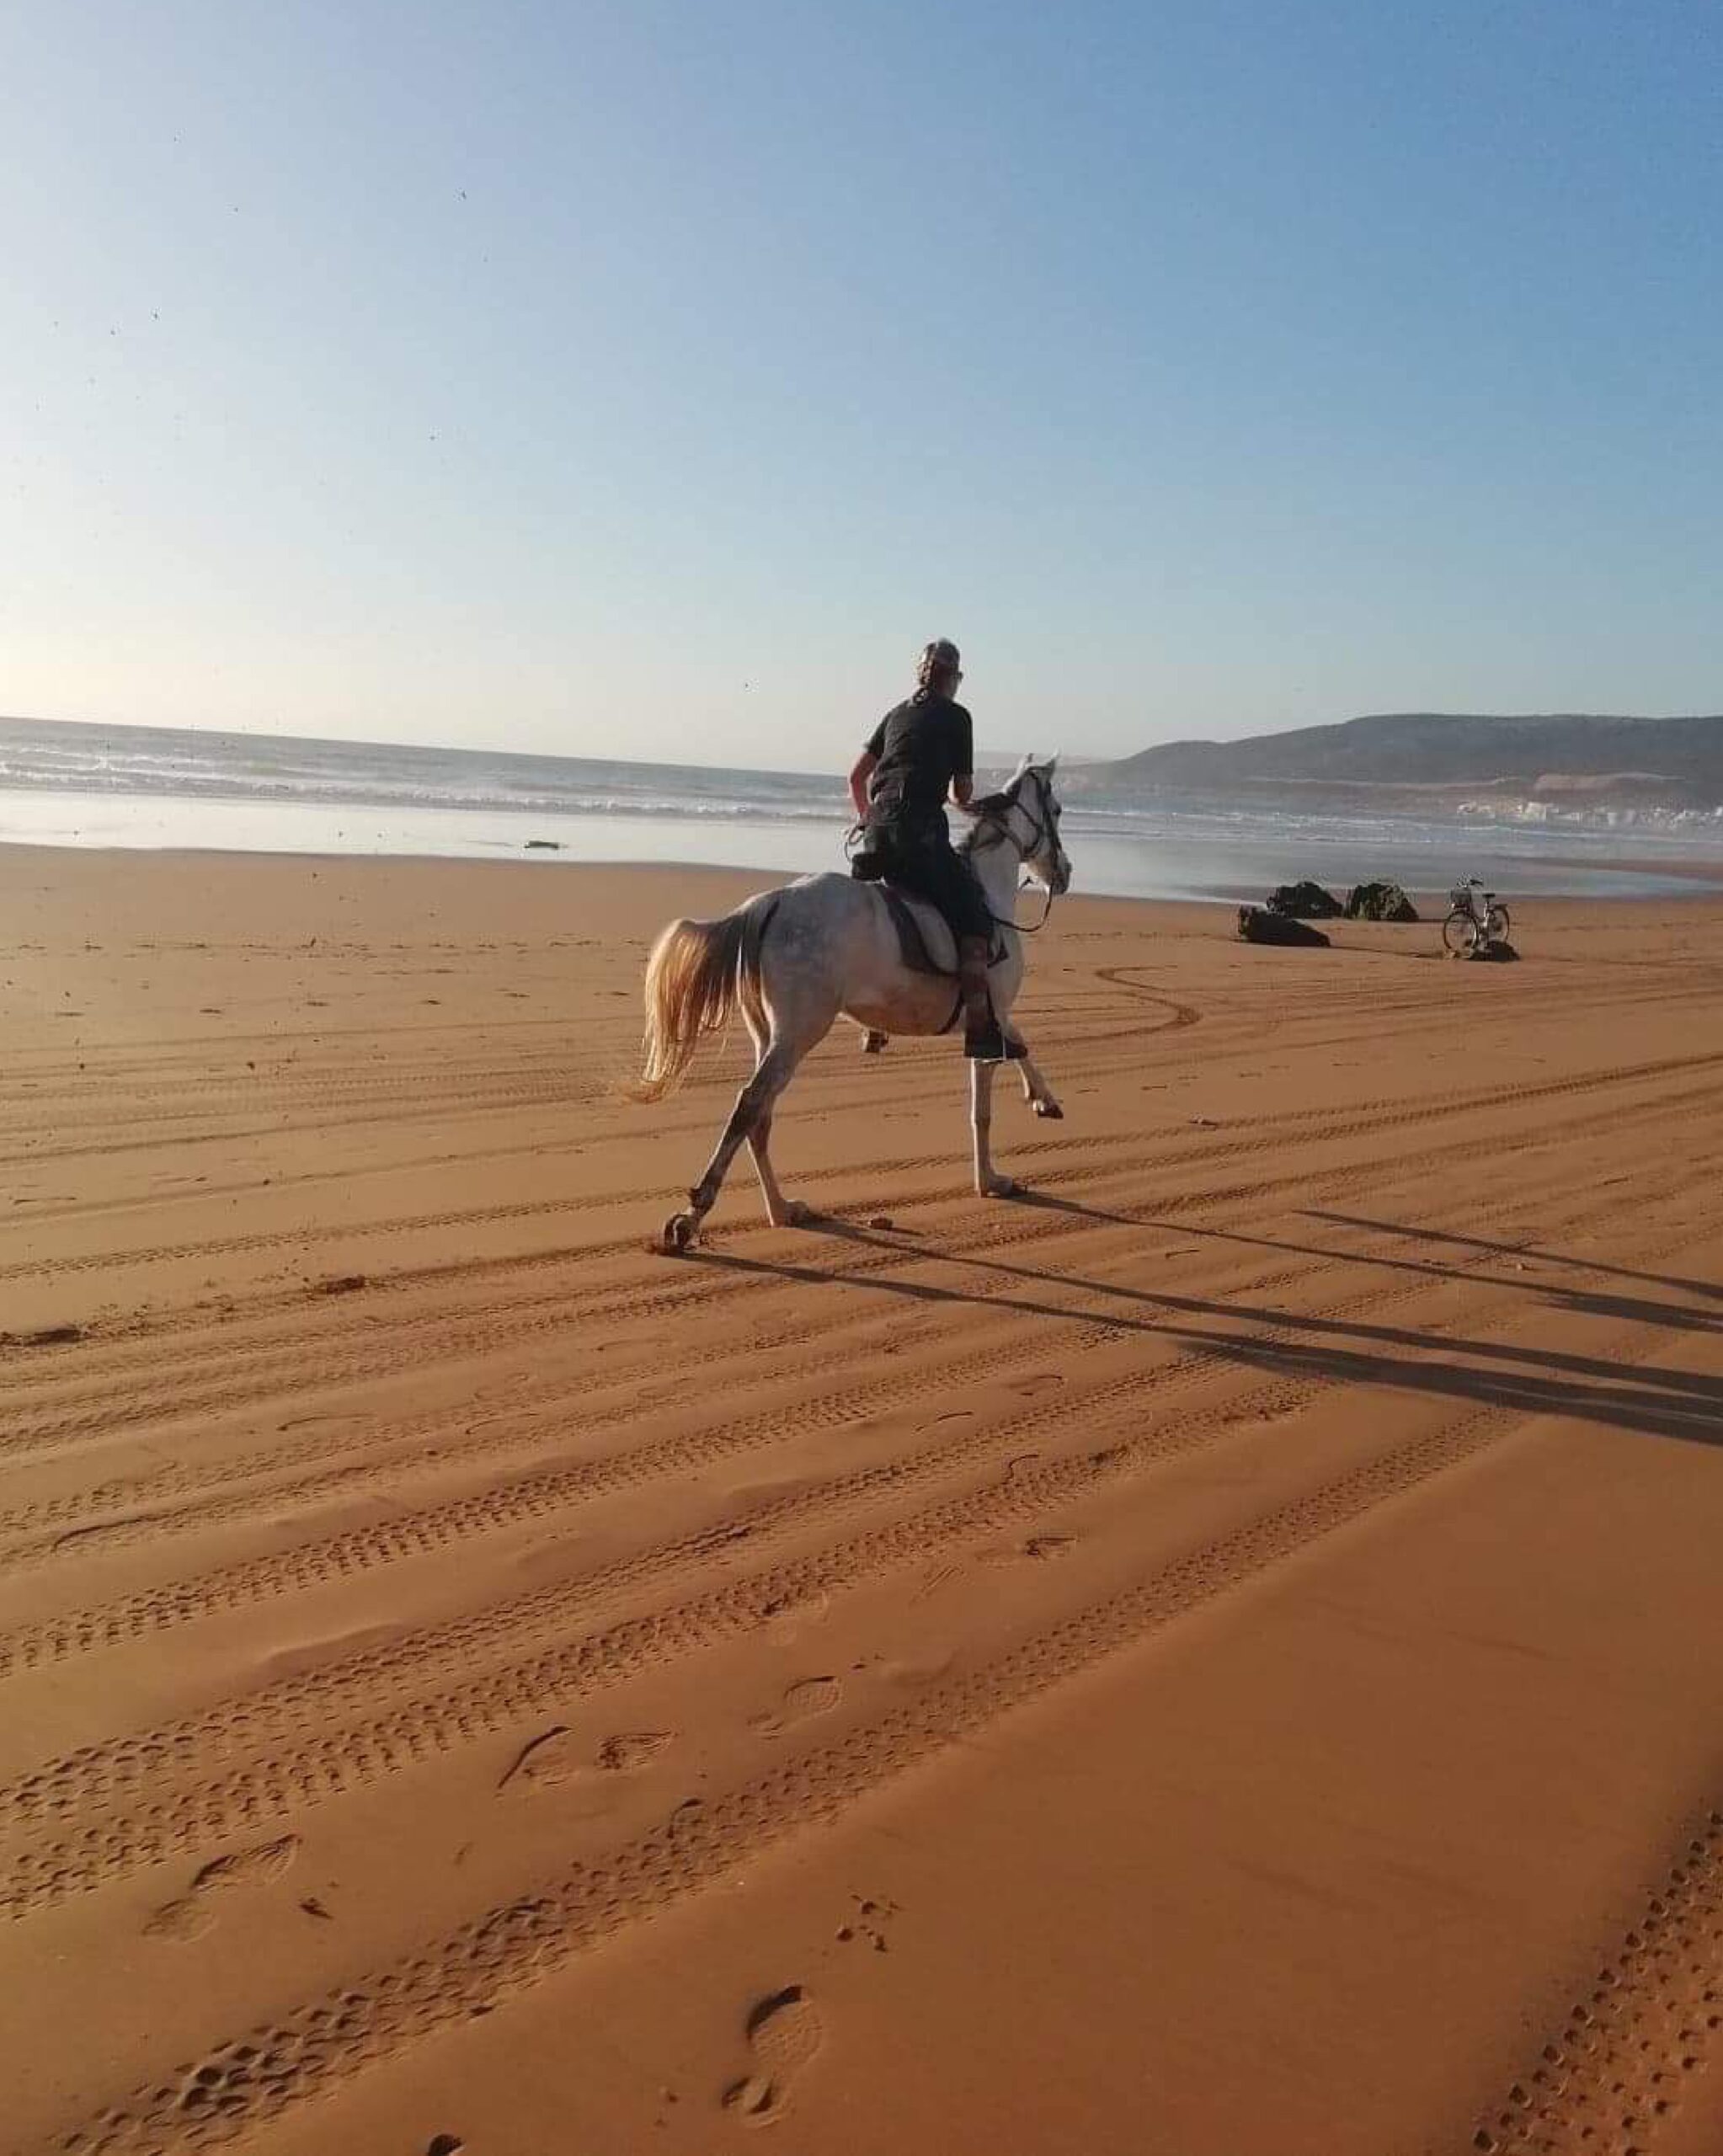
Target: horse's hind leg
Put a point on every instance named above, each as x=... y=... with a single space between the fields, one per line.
x=753 y=1110
x=781 y=1211
x=1036 y=1090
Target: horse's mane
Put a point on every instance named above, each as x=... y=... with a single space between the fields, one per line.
x=994 y=804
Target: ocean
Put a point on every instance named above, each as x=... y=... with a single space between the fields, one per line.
x=105 y=785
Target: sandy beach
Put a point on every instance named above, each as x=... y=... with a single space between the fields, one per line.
x=1216 y=1657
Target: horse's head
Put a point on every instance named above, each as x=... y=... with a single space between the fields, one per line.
x=1036 y=824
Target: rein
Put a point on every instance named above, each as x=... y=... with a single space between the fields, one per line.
x=995 y=822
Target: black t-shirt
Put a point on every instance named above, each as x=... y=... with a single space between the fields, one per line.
x=919 y=747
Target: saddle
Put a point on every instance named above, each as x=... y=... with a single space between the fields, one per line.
x=927 y=942
x=922 y=930
x=914 y=919
x=925 y=936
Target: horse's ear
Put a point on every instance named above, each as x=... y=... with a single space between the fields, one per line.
x=1049 y=767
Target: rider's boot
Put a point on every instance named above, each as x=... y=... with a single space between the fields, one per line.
x=982 y=1041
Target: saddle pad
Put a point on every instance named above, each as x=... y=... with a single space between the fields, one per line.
x=912 y=945
x=914 y=919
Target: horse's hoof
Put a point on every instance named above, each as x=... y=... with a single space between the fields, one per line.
x=1050 y=1111
x=873 y=1043
x=1000 y=1187
x=795 y=1214
x=677 y=1239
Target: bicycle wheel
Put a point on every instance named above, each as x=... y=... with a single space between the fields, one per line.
x=1498 y=924
x=1459 y=933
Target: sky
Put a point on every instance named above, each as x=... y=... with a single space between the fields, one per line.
x=652 y=380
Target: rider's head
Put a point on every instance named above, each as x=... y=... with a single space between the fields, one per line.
x=939 y=669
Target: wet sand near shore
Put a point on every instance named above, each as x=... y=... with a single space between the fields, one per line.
x=1685 y=868
x=1215 y=1657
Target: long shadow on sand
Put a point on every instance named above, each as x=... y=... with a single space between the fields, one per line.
x=1588 y=1302
x=1527 y=1381
x=1710 y=1289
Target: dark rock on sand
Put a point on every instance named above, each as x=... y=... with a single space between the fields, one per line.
x=1256 y=926
x=1380 y=902
x=1305 y=901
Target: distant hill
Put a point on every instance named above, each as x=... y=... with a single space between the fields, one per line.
x=1672 y=762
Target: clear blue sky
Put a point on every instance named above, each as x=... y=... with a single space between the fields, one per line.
x=656 y=376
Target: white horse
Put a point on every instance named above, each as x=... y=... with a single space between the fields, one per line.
x=797 y=959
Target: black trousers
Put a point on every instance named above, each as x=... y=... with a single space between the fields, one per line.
x=924 y=862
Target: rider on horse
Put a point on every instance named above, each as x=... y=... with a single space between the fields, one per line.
x=917 y=753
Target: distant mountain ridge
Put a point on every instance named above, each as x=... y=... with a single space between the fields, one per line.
x=1676 y=761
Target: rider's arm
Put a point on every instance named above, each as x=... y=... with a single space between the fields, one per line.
x=864 y=767
x=962 y=757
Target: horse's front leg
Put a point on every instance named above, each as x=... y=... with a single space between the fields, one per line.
x=1036 y=1090
x=987 y=1183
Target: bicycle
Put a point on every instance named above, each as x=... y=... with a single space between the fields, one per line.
x=1476 y=918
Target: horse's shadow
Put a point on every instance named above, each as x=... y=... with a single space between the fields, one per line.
x=1585 y=1301
x=860 y=1231
x=1528 y=1380
x=1043 y=1201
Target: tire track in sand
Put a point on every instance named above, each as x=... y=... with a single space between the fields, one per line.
x=238 y=2086
x=547 y=1491
x=339 y=1760
x=285 y=1477
x=433 y=1527
x=111 y=1410
x=1358 y=1120
x=1641 y=2026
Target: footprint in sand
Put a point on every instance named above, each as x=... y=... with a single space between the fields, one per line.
x=934 y=1580
x=559 y=1756
x=196 y=1911
x=502 y=1389
x=546 y=1761
x=806 y=1698
x=916 y=1676
x=187 y=1918
x=869 y=1924
x=1039 y=1549
x=784 y=2032
x=788 y=1617
x=627 y=1752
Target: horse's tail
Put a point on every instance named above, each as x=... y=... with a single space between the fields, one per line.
x=698 y=971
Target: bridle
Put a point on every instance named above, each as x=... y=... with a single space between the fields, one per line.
x=993 y=827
